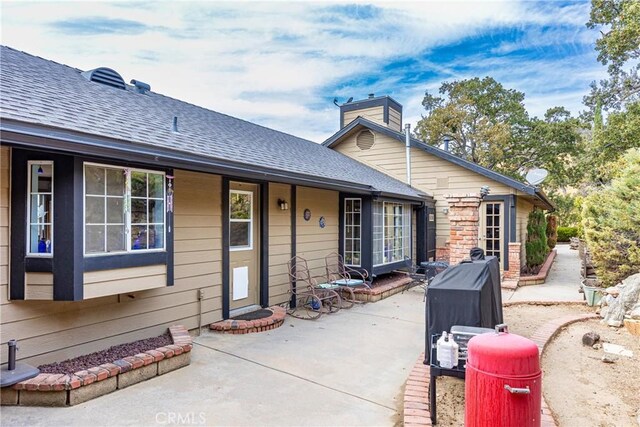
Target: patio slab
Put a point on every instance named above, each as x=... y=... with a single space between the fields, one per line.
x=346 y=368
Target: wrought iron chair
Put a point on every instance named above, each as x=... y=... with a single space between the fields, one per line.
x=309 y=298
x=423 y=274
x=346 y=277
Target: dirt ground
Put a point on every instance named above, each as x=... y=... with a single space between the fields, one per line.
x=580 y=389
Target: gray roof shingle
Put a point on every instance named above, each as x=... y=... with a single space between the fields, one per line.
x=39 y=91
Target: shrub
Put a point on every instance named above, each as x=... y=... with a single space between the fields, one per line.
x=611 y=222
x=566 y=233
x=536 y=244
x=552 y=231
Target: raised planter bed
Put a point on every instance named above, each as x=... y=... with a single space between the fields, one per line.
x=68 y=390
x=541 y=277
x=383 y=289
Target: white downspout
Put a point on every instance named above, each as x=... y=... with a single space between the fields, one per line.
x=407 y=134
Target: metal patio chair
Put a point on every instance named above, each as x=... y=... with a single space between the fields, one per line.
x=346 y=277
x=310 y=299
x=423 y=274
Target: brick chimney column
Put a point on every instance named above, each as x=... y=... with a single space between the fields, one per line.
x=464 y=218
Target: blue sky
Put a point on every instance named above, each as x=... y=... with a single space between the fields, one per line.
x=280 y=64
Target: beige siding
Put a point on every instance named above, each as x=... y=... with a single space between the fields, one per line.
x=429 y=173
x=124 y=280
x=38 y=286
x=395 y=120
x=56 y=330
x=312 y=242
x=523 y=207
x=4 y=223
x=279 y=243
x=375 y=114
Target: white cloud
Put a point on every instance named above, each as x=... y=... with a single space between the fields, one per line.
x=281 y=63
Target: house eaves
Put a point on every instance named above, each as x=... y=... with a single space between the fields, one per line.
x=29 y=135
x=361 y=122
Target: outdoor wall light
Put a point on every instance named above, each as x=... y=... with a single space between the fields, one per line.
x=284 y=206
x=484 y=191
x=445 y=210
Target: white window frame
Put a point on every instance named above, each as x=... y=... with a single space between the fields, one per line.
x=250 y=221
x=404 y=215
x=127 y=214
x=359 y=239
x=30 y=163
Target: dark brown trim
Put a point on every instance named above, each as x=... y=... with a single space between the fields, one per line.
x=225 y=248
x=293 y=208
x=264 y=244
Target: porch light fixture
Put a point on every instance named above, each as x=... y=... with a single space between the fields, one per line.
x=284 y=206
x=484 y=191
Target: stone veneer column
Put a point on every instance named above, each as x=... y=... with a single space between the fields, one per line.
x=464 y=217
x=514 y=262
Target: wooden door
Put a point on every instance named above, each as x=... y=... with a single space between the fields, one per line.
x=244 y=245
x=491 y=233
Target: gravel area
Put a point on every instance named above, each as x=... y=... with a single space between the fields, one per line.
x=106 y=356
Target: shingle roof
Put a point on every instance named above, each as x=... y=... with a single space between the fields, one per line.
x=39 y=91
x=361 y=122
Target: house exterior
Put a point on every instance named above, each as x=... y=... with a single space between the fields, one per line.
x=371 y=133
x=123 y=211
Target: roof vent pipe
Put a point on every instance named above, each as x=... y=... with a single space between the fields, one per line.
x=407 y=135
x=446 y=142
x=372 y=95
x=174 y=127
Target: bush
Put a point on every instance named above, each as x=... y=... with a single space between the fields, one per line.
x=566 y=233
x=552 y=231
x=536 y=244
x=611 y=222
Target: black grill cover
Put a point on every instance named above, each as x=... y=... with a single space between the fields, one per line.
x=467 y=294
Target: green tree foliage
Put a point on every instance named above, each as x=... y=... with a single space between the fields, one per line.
x=536 y=244
x=487 y=124
x=611 y=220
x=619 y=49
x=619 y=95
x=566 y=233
x=552 y=231
x=568 y=208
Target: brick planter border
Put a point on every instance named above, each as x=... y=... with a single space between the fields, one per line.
x=68 y=390
x=381 y=292
x=416 y=395
x=541 y=277
x=231 y=326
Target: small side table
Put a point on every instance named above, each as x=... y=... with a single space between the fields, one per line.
x=438 y=371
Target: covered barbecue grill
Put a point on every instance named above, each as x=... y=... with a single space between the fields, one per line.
x=467 y=294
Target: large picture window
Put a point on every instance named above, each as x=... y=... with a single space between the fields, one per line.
x=240 y=220
x=40 y=208
x=352 y=227
x=391 y=232
x=124 y=210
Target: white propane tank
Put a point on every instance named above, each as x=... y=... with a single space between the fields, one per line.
x=454 y=350
x=443 y=351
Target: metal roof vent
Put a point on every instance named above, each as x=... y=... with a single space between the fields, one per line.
x=365 y=139
x=105 y=76
x=141 y=87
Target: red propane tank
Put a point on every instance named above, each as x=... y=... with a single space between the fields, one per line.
x=503 y=384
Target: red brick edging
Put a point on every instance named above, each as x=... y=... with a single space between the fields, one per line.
x=66 y=390
x=541 y=277
x=231 y=326
x=416 y=395
x=377 y=293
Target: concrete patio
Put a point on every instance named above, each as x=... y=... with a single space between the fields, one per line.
x=343 y=369
x=348 y=368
